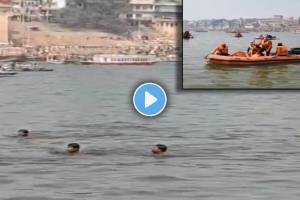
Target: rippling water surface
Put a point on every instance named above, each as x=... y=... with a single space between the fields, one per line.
x=196 y=74
x=228 y=146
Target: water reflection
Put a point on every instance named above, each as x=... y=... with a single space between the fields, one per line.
x=259 y=76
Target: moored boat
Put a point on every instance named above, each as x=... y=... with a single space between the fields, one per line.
x=5 y=73
x=106 y=59
x=242 y=59
x=24 y=67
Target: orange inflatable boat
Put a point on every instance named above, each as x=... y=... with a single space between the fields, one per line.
x=241 y=58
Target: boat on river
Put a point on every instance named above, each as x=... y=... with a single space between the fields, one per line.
x=269 y=37
x=108 y=59
x=237 y=35
x=6 y=74
x=24 y=67
x=241 y=59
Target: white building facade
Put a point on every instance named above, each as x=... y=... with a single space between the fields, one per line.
x=164 y=15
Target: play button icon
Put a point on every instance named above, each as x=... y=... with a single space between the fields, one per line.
x=150 y=99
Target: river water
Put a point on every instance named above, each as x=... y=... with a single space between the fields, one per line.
x=196 y=74
x=228 y=146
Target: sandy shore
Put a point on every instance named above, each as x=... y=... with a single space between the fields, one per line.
x=51 y=38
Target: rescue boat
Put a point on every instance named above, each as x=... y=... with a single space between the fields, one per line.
x=241 y=58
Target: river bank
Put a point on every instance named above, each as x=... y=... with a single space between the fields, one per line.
x=42 y=39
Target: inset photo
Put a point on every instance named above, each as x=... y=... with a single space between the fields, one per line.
x=239 y=44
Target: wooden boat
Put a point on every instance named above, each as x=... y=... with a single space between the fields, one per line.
x=5 y=73
x=24 y=67
x=241 y=58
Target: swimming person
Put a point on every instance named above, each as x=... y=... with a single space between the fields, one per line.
x=282 y=50
x=73 y=148
x=159 y=149
x=221 y=50
x=23 y=133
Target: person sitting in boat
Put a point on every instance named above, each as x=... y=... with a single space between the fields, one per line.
x=266 y=46
x=221 y=50
x=281 y=50
x=253 y=49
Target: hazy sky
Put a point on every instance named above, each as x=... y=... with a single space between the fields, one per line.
x=232 y=9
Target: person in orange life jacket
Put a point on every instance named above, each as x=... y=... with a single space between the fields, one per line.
x=266 y=46
x=221 y=50
x=281 y=50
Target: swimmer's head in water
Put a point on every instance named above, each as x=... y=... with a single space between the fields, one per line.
x=23 y=133
x=73 y=148
x=159 y=149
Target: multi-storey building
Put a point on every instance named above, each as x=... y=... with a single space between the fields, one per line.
x=141 y=12
x=168 y=9
x=50 y=8
x=168 y=16
x=26 y=10
x=164 y=15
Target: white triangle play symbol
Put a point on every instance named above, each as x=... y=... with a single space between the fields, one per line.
x=149 y=99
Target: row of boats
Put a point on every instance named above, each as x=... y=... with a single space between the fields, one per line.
x=10 y=54
x=187 y=35
x=12 y=68
x=260 y=37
